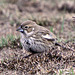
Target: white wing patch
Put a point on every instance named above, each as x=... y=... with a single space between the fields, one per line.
x=47 y=36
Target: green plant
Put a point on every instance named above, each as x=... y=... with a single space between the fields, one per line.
x=59 y=40
x=51 y=28
x=6 y=41
x=62 y=25
x=3 y=42
x=55 y=74
x=72 y=72
x=10 y=38
x=2 y=2
x=61 y=72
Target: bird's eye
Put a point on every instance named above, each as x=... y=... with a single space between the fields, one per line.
x=26 y=27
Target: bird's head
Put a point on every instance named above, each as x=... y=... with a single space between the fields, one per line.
x=27 y=27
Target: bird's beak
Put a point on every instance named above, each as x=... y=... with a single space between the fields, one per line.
x=20 y=29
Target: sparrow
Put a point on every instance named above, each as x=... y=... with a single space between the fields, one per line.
x=36 y=38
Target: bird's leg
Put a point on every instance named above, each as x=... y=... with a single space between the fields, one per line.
x=26 y=53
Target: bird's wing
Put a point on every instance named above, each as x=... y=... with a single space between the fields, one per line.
x=46 y=34
x=48 y=37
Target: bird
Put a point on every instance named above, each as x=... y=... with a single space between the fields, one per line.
x=36 y=38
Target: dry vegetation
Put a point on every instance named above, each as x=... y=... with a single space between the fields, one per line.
x=56 y=15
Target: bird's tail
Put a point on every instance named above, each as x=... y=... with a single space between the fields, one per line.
x=57 y=44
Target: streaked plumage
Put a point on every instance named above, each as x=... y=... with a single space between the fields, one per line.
x=35 y=38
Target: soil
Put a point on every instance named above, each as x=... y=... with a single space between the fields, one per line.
x=48 y=13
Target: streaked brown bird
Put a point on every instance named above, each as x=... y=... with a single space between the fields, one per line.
x=35 y=38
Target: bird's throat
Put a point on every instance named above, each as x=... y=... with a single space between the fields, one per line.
x=26 y=34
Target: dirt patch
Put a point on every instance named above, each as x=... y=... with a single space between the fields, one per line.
x=47 y=62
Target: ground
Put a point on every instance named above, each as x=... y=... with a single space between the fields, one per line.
x=55 y=15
